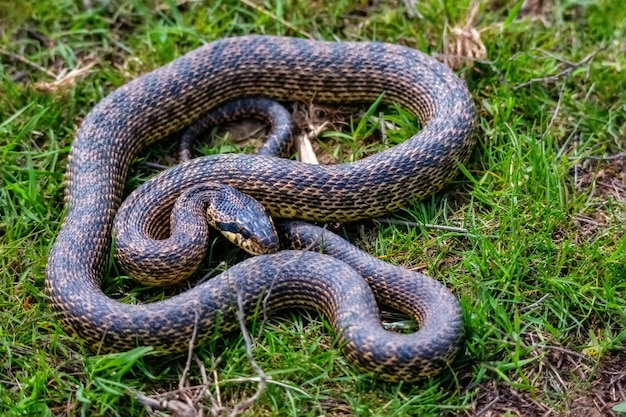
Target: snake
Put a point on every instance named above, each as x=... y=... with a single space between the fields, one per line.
x=278 y=140
x=343 y=283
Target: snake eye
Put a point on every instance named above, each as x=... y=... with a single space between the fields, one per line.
x=233 y=227
x=228 y=227
x=245 y=233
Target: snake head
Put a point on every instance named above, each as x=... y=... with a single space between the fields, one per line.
x=243 y=221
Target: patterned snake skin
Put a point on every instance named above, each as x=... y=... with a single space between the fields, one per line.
x=172 y=97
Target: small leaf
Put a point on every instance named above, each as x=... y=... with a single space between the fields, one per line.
x=620 y=408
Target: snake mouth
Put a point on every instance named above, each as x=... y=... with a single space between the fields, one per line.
x=263 y=246
x=254 y=245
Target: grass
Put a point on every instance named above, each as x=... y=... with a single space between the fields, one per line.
x=540 y=273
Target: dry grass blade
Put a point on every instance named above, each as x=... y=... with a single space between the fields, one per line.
x=463 y=45
x=567 y=71
x=65 y=80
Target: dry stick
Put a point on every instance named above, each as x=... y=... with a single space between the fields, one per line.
x=488 y=406
x=556 y=373
x=156 y=165
x=561 y=74
x=281 y=20
x=205 y=383
x=269 y=381
x=419 y=224
x=65 y=79
x=620 y=388
x=535 y=304
x=556 y=111
x=166 y=6
x=217 y=388
x=556 y=57
x=563 y=350
x=411 y=9
x=380 y=120
x=204 y=376
x=152 y=404
x=192 y=344
x=383 y=129
x=577 y=368
x=28 y=62
x=582 y=219
x=541 y=346
x=621 y=155
x=262 y=377
x=178 y=407
x=5 y=382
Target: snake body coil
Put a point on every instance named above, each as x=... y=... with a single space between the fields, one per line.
x=173 y=96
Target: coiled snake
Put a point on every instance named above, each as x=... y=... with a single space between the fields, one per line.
x=173 y=96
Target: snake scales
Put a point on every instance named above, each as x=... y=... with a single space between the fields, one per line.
x=172 y=97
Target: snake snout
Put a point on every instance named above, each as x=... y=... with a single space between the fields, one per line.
x=243 y=221
x=261 y=245
x=258 y=242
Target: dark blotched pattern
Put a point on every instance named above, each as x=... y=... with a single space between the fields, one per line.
x=172 y=97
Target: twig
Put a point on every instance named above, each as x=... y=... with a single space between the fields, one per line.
x=536 y=303
x=65 y=79
x=205 y=382
x=411 y=9
x=241 y=406
x=178 y=3
x=29 y=63
x=155 y=165
x=5 y=382
x=556 y=373
x=192 y=344
x=565 y=72
x=488 y=406
x=556 y=57
x=419 y=224
x=582 y=219
x=621 y=155
x=268 y=380
x=556 y=111
x=564 y=350
x=273 y=16
x=178 y=407
x=217 y=388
